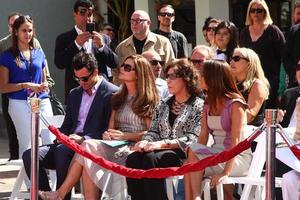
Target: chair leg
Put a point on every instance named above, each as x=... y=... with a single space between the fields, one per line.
x=220 y=192
x=105 y=186
x=206 y=189
x=169 y=187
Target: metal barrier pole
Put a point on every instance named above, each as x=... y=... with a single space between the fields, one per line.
x=35 y=126
x=271 y=115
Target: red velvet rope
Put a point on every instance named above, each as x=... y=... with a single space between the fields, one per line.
x=157 y=172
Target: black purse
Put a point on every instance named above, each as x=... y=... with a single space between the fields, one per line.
x=57 y=107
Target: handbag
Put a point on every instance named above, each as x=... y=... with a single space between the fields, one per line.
x=57 y=106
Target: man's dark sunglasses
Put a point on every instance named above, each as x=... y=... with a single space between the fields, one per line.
x=155 y=62
x=257 y=10
x=163 y=14
x=127 y=67
x=84 y=78
x=109 y=29
x=83 y=11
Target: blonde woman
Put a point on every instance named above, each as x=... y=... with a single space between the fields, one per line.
x=251 y=82
x=267 y=41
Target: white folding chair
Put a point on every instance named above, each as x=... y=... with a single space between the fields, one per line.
x=255 y=170
x=254 y=175
x=45 y=139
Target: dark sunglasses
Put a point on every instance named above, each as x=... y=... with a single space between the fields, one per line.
x=164 y=14
x=83 y=12
x=238 y=58
x=127 y=67
x=84 y=78
x=208 y=29
x=171 y=76
x=197 y=62
x=155 y=62
x=109 y=29
x=257 y=10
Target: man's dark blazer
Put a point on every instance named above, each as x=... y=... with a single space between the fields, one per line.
x=59 y=156
x=288 y=103
x=98 y=117
x=66 y=49
x=292 y=53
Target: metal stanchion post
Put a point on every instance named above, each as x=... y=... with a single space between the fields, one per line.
x=35 y=126
x=271 y=115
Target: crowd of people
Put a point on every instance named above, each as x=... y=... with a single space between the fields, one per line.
x=168 y=107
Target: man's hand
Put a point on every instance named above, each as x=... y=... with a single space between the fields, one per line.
x=76 y=138
x=83 y=37
x=98 y=40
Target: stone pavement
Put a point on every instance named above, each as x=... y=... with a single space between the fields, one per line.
x=8 y=173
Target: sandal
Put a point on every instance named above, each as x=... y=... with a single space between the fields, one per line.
x=49 y=195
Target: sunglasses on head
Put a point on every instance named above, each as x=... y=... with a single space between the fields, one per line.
x=155 y=62
x=197 y=62
x=84 y=11
x=127 y=67
x=210 y=28
x=84 y=78
x=238 y=58
x=164 y=14
x=257 y=10
x=171 y=76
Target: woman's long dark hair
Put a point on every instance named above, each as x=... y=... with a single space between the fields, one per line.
x=17 y=24
x=220 y=82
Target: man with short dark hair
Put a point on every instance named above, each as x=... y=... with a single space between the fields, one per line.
x=166 y=17
x=6 y=43
x=87 y=116
x=78 y=39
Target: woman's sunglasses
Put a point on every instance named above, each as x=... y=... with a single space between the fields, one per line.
x=127 y=67
x=238 y=58
x=171 y=76
x=257 y=10
x=208 y=29
x=84 y=78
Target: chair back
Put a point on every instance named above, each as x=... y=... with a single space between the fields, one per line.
x=259 y=157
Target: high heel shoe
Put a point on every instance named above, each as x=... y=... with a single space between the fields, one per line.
x=49 y=195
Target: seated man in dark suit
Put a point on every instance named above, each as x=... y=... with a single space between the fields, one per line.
x=87 y=116
x=78 y=39
x=288 y=102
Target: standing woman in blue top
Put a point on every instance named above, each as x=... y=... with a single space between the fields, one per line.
x=23 y=74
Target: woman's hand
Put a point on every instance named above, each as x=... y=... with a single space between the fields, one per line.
x=35 y=87
x=140 y=146
x=151 y=146
x=217 y=179
x=116 y=134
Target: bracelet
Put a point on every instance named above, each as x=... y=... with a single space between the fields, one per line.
x=22 y=86
x=167 y=142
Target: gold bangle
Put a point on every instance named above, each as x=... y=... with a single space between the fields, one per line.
x=22 y=87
